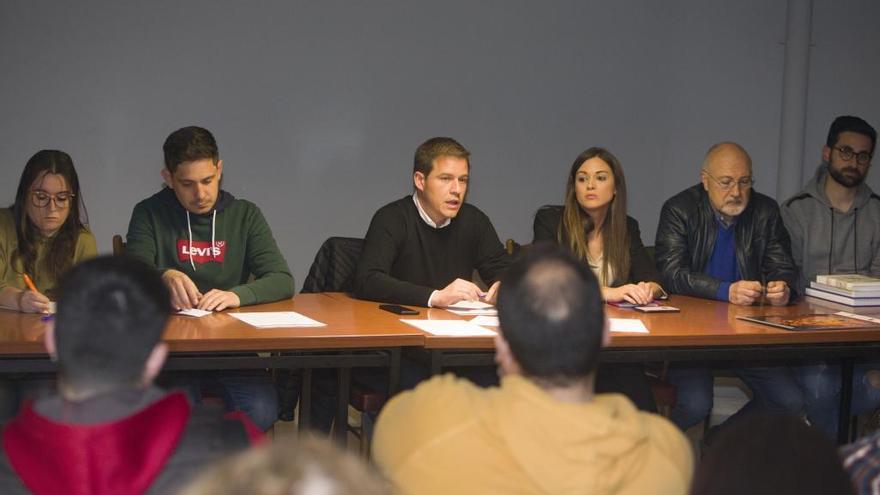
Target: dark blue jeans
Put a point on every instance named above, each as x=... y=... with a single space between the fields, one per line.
x=774 y=389
x=821 y=385
x=253 y=394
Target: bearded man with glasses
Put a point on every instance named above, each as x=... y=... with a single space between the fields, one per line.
x=722 y=240
x=834 y=223
x=841 y=211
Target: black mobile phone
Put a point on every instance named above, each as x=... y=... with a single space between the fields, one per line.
x=399 y=310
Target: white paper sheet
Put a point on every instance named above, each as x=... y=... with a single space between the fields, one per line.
x=277 y=319
x=473 y=308
x=858 y=316
x=474 y=312
x=627 y=325
x=450 y=328
x=195 y=313
x=486 y=321
x=470 y=305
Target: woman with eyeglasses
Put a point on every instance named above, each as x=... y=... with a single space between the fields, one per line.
x=593 y=223
x=42 y=234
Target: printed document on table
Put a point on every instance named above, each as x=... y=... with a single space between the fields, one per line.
x=486 y=321
x=627 y=325
x=277 y=319
x=474 y=312
x=195 y=313
x=472 y=308
x=450 y=328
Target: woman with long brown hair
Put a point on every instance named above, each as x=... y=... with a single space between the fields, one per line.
x=593 y=223
x=42 y=234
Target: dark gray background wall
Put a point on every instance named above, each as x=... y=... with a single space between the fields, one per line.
x=318 y=106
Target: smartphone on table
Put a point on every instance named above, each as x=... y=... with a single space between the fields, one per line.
x=398 y=310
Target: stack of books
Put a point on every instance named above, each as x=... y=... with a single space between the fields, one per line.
x=850 y=289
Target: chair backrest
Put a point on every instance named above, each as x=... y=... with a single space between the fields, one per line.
x=511 y=246
x=118 y=245
x=558 y=208
x=650 y=251
x=517 y=250
x=334 y=266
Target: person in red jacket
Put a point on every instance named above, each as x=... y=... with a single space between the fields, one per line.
x=108 y=430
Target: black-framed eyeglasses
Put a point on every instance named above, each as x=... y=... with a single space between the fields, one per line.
x=41 y=199
x=847 y=153
x=727 y=183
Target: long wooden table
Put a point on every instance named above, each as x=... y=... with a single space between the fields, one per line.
x=704 y=330
x=701 y=324
x=358 y=334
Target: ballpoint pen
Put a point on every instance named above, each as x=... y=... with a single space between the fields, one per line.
x=31 y=286
x=29 y=282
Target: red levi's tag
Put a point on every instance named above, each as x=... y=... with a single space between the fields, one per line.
x=202 y=251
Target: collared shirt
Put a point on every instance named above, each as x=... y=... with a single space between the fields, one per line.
x=721 y=220
x=425 y=216
x=431 y=224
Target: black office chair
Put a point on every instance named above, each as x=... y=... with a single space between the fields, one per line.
x=334 y=266
x=332 y=270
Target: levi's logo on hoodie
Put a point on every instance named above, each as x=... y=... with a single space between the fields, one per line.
x=202 y=251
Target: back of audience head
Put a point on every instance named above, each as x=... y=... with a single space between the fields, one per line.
x=111 y=315
x=310 y=466
x=771 y=454
x=48 y=202
x=551 y=314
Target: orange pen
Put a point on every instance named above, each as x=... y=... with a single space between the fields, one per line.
x=29 y=282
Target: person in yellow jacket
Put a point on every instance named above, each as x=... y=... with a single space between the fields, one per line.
x=43 y=234
x=543 y=430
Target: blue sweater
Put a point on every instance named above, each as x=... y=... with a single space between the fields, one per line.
x=722 y=264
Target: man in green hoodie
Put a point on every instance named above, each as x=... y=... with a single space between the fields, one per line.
x=208 y=245
x=544 y=430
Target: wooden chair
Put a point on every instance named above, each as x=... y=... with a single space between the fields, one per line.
x=510 y=246
x=665 y=393
x=118 y=245
x=516 y=249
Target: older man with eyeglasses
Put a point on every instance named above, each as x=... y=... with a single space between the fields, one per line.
x=834 y=223
x=722 y=240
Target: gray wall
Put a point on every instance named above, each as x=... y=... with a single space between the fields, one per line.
x=318 y=106
x=844 y=73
